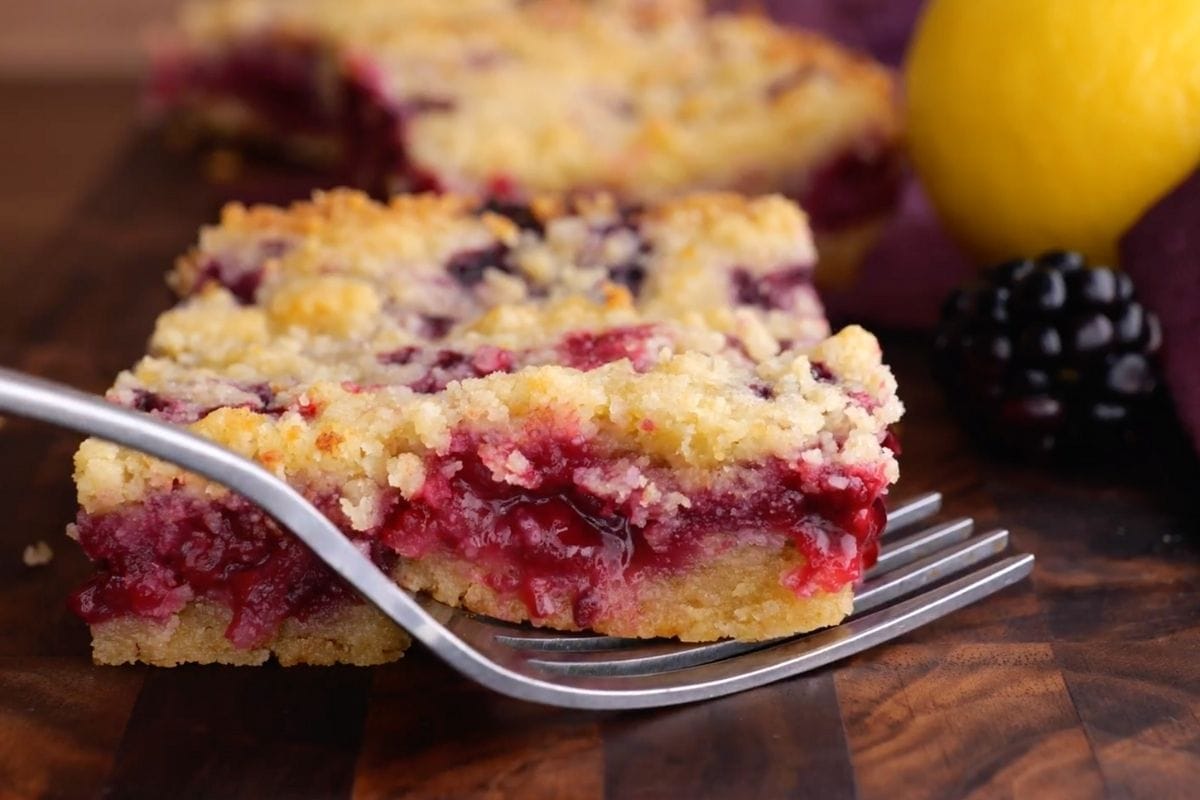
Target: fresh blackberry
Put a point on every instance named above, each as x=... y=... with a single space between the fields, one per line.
x=1050 y=355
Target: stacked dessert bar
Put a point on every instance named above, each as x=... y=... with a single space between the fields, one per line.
x=566 y=411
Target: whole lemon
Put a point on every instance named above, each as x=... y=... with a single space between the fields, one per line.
x=1038 y=124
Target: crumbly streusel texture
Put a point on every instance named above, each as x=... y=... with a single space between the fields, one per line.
x=388 y=358
x=647 y=99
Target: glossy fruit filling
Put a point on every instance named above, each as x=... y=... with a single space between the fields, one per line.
x=156 y=556
x=851 y=188
x=291 y=90
x=280 y=80
x=545 y=517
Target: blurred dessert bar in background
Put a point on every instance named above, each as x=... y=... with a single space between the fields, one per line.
x=646 y=99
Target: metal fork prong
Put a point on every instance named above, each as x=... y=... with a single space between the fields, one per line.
x=898 y=582
x=661 y=655
x=912 y=511
x=803 y=654
x=898 y=552
x=477 y=628
x=654 y=657
x=579 y=643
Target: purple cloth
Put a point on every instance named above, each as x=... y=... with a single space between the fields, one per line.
x=1162 y=254
x=880 y=27
x=914 y=265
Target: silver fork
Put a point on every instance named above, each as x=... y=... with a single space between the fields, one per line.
x=563 y=669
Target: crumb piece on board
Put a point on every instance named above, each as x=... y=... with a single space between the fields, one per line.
x=37 y=554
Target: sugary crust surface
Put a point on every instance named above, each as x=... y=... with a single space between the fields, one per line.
x=354 y=634
x=646 y=98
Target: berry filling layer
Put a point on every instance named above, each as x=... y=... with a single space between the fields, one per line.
x=548 y=519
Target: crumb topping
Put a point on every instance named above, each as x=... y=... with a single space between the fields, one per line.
x=38 y=554
x=329 y=374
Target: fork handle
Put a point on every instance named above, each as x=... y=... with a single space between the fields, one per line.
x=65 y=407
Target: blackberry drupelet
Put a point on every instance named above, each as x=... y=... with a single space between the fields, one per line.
x=1050 y=355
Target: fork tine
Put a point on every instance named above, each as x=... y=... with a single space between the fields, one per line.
x=662 y=655
x=900 y=552
x=796 y=656
x=479 y=628
x=882 y=589
x=564 y=642
x=912 y=511
x=657 y=656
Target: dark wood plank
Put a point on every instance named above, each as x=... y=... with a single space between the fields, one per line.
x=432 y=735
x=199 y=732
x=1139 y=702
x=60 y=722
x=99 y=283
x=79 y=313
x=58 y=135
x=60 y=718
x=974 y=704
x=1115 y=562
x=780 y=741
x=34 y=621
x=1119 y=588
x=945 y=720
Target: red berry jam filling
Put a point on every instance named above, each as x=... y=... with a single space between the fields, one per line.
x=279 y=80
x=450 y=365
x=852 y=188
x=572 y=523
x=174 y=547
x=547 y=518
x=240 y=273
x=586 y=350
x=375 y=152
x=778 y=290
x=286 y=83
x=468 y=267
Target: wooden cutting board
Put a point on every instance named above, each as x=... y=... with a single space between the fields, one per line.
x=1082 y=682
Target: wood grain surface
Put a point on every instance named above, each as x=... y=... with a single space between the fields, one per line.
x=1082 y=682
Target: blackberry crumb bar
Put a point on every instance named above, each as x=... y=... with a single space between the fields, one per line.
x=565 y=412
x=648 y=99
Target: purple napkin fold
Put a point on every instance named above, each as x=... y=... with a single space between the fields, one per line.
x=1162 y=254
